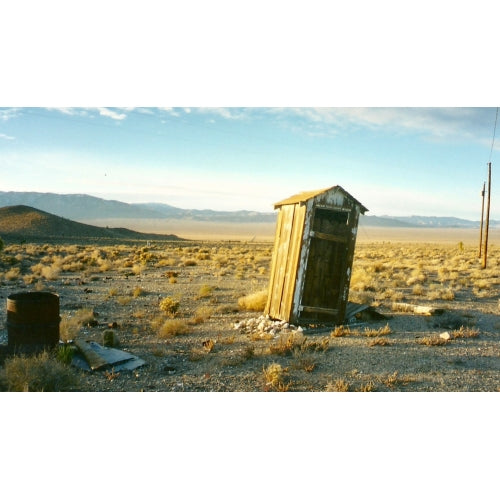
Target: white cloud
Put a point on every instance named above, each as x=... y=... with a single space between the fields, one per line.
x=111 y=114
x=8 y=113
x=436 y=122
x=7 y=137
x=70 y=111
x=170 y=111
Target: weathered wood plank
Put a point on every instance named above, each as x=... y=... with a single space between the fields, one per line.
x=274 y=264
x=329 y=237
x=292 y=262
x=416 y=309
x=284 y=244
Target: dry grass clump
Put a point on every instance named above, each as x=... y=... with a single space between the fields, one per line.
x=441 y=293
x=13 y=274
x=254 y=301
x=338 y=385
x=340 y=331
x=372 y=332
x=70 y=326
x=432 y=341
x=382 y=341
x=206 y=291
x=283 y=347
x=173 y=327
x=50 y=273
x=40 y=373
x=274 y=378
x=202 y=314
x=306 y=363
x=465 y=332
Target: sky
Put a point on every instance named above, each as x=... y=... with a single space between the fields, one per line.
x=395 y=160
x=395 y=102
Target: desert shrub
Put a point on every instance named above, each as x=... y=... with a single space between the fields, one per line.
x=173 y=327
x=254 y=301
x=205 y=291
x=340 y=331
x=13 y=274
x=138 y=268
x=372 y=332
x=202 y=314
x=378 y=341
x=40 y=373
x=274 y=377
x=432 y=341
x=138 y=291
x=339 y=385
x=70 y=326
x=65 y=354
x=465 y=332
x=169 y=306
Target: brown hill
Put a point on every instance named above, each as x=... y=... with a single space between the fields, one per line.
x=20 y=222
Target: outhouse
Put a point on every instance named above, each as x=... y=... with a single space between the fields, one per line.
x=312 y=256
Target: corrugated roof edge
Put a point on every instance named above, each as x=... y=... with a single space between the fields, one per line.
x=307 y=195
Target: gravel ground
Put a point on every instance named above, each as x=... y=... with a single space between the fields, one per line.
x=217 y=356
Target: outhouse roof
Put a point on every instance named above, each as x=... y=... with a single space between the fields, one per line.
x=307 y=195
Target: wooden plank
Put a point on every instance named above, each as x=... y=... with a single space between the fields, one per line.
x=303 y=260
x=329 y=237
x=346 y=278
x=416 y=309
x=292 y=262
x=274 y=265
x=282 y=256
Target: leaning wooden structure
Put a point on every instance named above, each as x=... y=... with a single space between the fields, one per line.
x=312 y=257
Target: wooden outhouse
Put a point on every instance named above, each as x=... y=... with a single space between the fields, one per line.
x=312 y=256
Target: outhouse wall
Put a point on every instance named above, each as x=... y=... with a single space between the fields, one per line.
x=312 y=257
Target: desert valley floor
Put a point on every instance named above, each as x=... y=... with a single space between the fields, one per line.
x=191 y=310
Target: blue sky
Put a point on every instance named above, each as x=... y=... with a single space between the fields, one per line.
x=397 y=161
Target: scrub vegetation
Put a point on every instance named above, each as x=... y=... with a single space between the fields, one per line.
x=177 y=305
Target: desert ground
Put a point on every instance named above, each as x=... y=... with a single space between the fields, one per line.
x=191 y=310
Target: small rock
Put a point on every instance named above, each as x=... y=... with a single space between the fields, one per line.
x=445 y=336
x=114 y=324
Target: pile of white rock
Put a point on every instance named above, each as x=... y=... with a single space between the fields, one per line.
x=266 y=327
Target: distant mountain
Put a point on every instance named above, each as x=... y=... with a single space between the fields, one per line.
x=82 y=207
x=241 y=216
x=76 y=206
x=438 y=222
x=20 y=222
x=374 y=221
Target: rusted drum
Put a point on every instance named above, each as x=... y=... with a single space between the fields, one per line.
x=33 y=319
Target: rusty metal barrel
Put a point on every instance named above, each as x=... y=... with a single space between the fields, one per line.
x=33 y=320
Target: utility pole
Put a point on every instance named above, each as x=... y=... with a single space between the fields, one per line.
x=482 y=217
x=485 y=256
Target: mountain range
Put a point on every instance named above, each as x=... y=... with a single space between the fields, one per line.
x=82 y=207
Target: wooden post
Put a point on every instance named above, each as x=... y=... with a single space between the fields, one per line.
x=485 y=256
x=482 y=217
